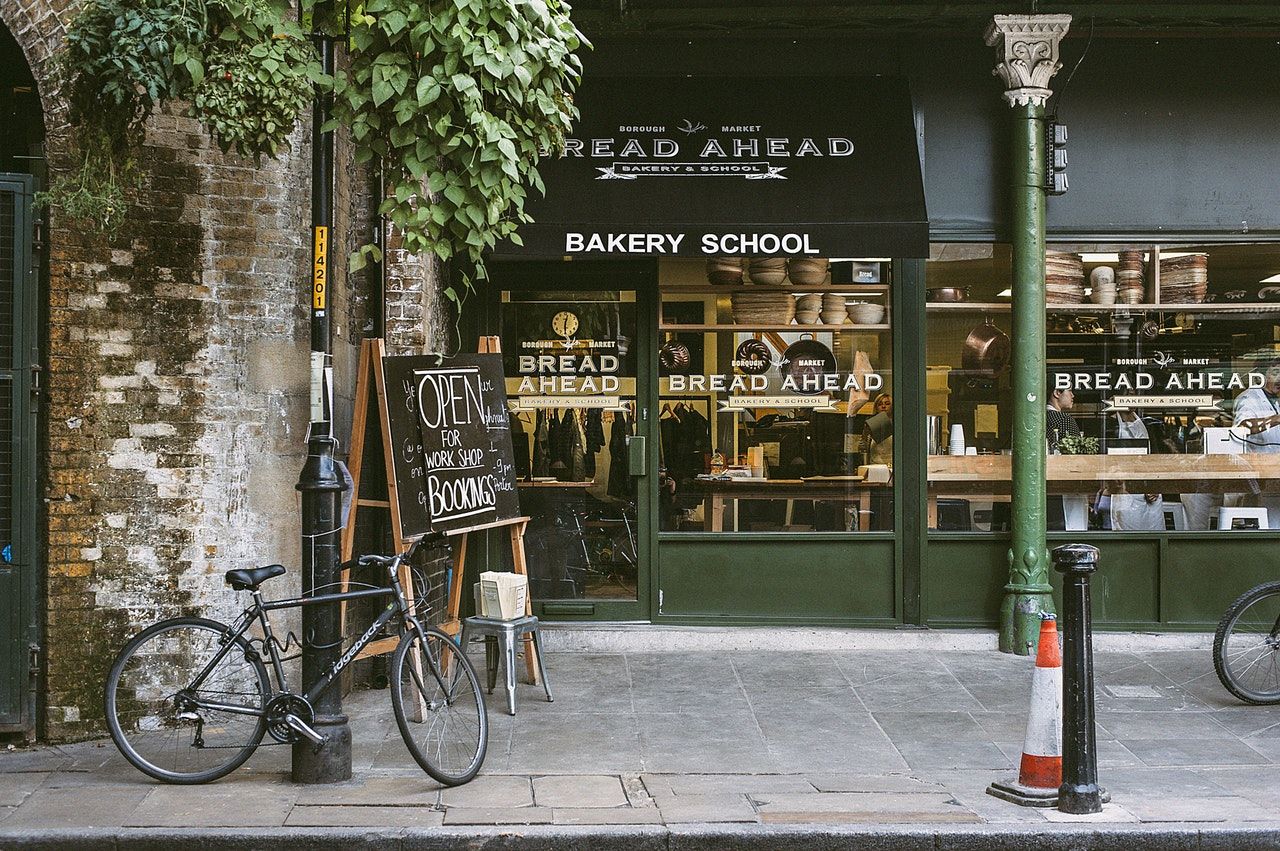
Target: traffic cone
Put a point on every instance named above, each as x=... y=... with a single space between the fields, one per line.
x=1040 y=773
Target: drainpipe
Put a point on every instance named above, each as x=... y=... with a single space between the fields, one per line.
x=1027 y=51
x=328 y=758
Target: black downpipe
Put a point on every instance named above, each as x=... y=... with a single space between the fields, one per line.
x=319 y=483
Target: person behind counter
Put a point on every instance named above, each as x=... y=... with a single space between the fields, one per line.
x=1258 y=410
x=878 y=432
x=1057 y=422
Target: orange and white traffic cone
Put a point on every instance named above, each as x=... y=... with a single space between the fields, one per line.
x=1040 y=773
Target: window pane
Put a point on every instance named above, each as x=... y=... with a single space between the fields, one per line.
x=1163 y=403
x=571 y=382
x=776 y=412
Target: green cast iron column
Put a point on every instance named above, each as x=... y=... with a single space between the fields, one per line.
x=1028 y=591
x=1027 y=52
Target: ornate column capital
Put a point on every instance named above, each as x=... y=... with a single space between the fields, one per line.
x=1027 y=47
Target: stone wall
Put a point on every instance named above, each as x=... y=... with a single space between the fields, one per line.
x=176 y=385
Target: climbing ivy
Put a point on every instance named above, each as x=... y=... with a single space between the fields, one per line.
x=458 y=99
x=244 y=66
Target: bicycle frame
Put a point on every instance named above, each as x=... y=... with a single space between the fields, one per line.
x=259 y=612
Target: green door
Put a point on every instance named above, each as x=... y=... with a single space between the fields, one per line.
x=18 y=610
x=576 y=342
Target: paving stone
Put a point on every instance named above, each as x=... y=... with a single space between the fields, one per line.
x=1194 y=752
x=237 y=805
x=868 y=803
x=14 y=788
x=498 y=815
x=1162 y=725
x=682 y=809
x=343 y=816
x=724 y=784
x=579 y=791
x=413 y=790
x=637 y=794
x=606 y=815
x=492 y=791
x=868 y=783
x=892 y=817
x=1182 y=808
x=1164 y=782
x=72 y=808
x=954 y=755
x=1110 y=813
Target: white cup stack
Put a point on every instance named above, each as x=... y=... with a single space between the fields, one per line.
x=956 y=447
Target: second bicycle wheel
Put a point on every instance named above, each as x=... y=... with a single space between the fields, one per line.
x=439 y=708
x=1246 y=648
x=177 y=729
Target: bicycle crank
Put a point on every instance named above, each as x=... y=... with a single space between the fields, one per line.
x=289 y=719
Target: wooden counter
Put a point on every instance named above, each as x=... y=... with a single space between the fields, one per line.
x=716 y=492
x=991 y=474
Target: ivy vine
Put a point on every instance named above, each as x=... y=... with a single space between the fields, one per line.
x=458 y=99
x=246 y=68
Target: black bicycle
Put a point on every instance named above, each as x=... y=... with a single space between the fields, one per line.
x=1246 y=647
x=188 y=700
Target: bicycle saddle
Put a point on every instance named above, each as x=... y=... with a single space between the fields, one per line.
x=250 y=579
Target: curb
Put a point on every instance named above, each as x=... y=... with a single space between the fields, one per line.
x=662 y=638
x=1005 y=837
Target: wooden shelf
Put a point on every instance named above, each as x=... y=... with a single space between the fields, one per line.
x=1216 y=307
x=793 y=327
x=797 y=289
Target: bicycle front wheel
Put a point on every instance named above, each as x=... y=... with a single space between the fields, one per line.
x=1246 y=648
x=438 y=705
x=177 y=729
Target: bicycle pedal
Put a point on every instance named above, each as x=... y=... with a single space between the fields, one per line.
x=188 y=716
x=302 y=728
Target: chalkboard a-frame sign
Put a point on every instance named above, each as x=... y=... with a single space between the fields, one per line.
x=450 y=438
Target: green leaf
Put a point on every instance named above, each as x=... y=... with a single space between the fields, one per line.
x=195 y=70
x=427 y=91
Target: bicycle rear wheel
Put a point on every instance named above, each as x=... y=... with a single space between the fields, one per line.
x=164 y=725
x=1246 y=648
x=438 y=705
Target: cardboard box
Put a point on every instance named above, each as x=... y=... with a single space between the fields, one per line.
x=504 y=595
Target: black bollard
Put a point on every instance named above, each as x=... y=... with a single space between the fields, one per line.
x=1079 y=792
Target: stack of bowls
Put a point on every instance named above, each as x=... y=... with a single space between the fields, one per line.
x=808 y=308
x=763 y=308
x=1129 y=278
x=1063 y=277
x=865 y=312
x=724 y=270
x=808 y=271
x=768 y=270
x=1102 y=283
x=834 y=311
x=1184 y=280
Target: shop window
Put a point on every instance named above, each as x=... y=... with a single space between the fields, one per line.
x=571 y=381
x=1163 y=375
x=775 y=396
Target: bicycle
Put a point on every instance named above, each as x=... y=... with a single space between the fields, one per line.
x=1246 y=646
x=188 y=700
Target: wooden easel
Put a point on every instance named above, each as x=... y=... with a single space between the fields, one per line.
x=370 y=374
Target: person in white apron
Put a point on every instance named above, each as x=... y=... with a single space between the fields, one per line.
x=1258 y=410
x=1136 y=512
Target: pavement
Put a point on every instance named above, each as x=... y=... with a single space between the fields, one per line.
x=756 y=749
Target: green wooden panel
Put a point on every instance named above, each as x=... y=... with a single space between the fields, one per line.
x=1203 y=576
x=965 y=576
x=964 y=581
x=792 y=579
x=1126 y=588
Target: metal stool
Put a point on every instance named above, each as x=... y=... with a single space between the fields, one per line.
x=508 y=633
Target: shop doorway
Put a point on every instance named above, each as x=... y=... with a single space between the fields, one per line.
x=577 y=343
x=21 y=133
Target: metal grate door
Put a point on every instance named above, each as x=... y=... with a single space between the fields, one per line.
x=18 y=604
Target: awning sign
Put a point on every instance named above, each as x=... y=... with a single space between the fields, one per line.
x=703 y=166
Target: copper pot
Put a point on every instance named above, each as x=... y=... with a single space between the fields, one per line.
x=986 y=349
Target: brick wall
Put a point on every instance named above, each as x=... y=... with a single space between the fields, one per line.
x=177 y=385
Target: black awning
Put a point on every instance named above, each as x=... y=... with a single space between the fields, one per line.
x=705 y=166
